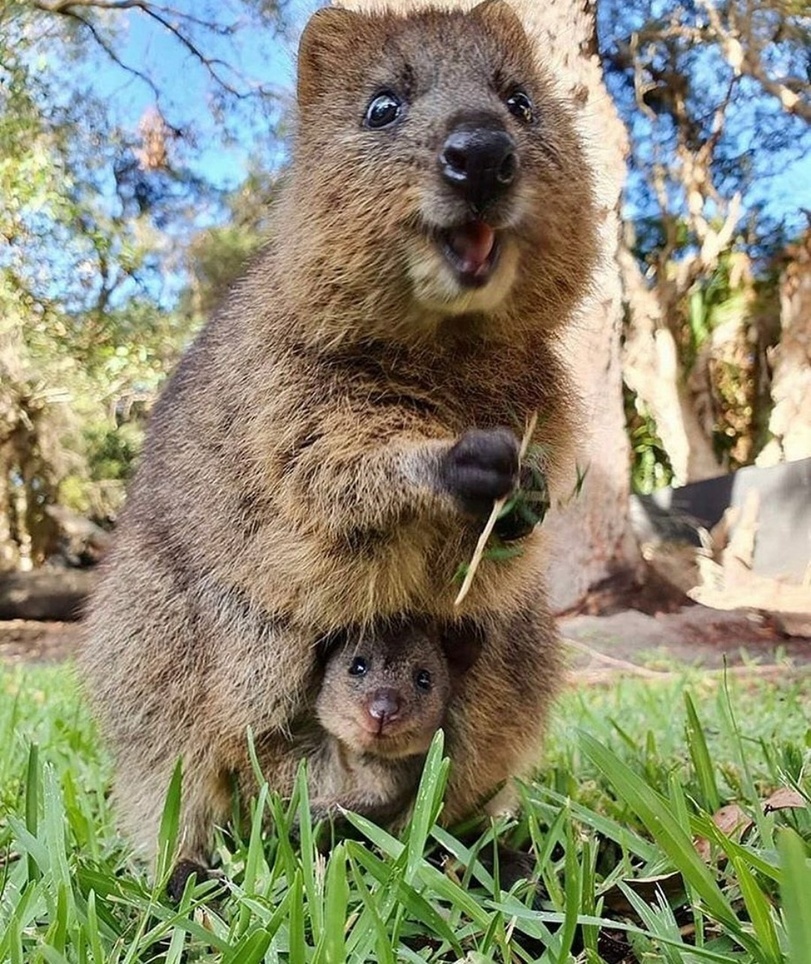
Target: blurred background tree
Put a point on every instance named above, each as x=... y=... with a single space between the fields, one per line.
x=140 y=146
x=717 y=99
x=126 y=210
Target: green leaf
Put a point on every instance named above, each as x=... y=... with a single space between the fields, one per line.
x=573 y=888
x=410 y=899
x=760 y=912
x=253 y=859
x=427 y=804
x=32 y=782
x=169 y=825
x=250 y=950
x=332 y=948
x=298 y=943
x=655 y=813
x=385 y=952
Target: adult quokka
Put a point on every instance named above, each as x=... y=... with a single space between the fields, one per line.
x=329 y=447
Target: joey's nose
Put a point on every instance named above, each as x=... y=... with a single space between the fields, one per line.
x=383 y=708
x=480 y=162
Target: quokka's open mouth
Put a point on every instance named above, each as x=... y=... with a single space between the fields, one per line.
x=472 y=251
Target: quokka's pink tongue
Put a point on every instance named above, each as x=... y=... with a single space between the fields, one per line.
x=473 y=245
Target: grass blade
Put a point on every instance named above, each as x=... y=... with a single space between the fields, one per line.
x=32 y=782
x=427 y=805
x=700 y=755
x=795 y=888
x=332 y=947
x=169 y=825
x=655 y=813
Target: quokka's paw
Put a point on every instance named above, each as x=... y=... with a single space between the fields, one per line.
x=480 y=467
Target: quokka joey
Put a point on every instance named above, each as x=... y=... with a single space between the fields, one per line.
x=329 y=447
x=383 y=696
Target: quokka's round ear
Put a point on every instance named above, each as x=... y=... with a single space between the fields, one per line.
x=324 y=49
x=327 y=645
x=498 y=14
x=462 y=643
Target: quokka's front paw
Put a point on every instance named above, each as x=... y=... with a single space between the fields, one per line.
x=480 y=467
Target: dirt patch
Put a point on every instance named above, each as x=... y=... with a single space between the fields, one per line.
x=624 y=640
x=29 y=641
x=633 y=642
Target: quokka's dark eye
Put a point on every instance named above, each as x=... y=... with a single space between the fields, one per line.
x=384 y=109
x=520 y=105
x=423 y=679
x=358 y=667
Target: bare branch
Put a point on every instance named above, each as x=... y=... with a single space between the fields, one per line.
x=743 y=54
x=140 y=75
x=163 y=16
x=209 y=63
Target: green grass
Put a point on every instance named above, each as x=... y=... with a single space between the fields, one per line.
x=633 y=774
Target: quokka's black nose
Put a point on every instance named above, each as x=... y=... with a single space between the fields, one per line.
x=479 y=160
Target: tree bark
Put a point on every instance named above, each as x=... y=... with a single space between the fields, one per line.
x=652 y=370
x=591 y=537
x=790 y=421
x=9 y=555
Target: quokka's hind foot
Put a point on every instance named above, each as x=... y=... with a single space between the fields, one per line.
x=183 y=869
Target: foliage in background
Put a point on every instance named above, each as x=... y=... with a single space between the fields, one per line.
x=113 y=245
x=650 y=465
x=131 y=202
x=717 y=100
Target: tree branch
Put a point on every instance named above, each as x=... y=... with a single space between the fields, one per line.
x=163 y=16
x=743 y=55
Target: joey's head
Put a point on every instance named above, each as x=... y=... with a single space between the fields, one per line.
x=441 y=174
x=385 y=693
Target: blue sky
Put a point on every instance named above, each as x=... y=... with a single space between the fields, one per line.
x=186 y=88
x=222 y=156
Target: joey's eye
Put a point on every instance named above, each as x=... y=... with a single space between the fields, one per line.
x=423 y=679
x=358 y=667
x=383 y=110
x=520 y=105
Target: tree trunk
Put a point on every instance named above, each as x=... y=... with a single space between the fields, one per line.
x=9 y=555
x=790 y=422
x=590 y=538
x=652 y=370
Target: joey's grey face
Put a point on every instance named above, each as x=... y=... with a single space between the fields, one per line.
x=386 y=697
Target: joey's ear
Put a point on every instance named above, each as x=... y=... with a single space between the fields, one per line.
x=323 y=50
x=462 y=643
x=500 y=15
x=328 y=644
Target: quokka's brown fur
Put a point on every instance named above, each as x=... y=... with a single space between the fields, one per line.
x=304 y=469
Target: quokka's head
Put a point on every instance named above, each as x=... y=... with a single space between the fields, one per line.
x=437 y=162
